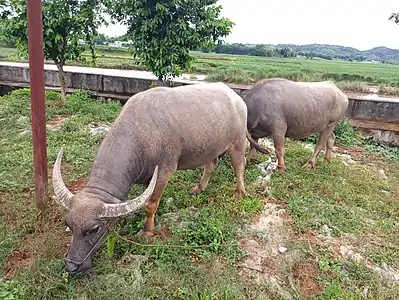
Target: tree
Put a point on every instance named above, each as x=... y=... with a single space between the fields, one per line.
x=101 y=39
x=163 y=32
x=69 y=27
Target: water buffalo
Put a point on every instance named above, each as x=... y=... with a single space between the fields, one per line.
x=158 y=131
x=283 y=108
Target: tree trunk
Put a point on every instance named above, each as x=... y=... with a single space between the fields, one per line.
x=62 y=83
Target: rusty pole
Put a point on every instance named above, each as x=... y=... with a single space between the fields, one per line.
x=36 y=70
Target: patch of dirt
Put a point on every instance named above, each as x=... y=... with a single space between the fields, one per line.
x=18 y=256
x=78 y=185
x=310 y=237
x=265 y=242
x=18 y=259
x=163 y=233
x=305 y=275
x=354 y=152
x=56 y=122
x=47 y=240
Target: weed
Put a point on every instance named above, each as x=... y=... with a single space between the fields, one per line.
x=12 y=290
x=7 y=243
x=345 y=135
x=391 y=153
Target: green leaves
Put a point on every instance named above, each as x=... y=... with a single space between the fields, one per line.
x=68 y=27
x=163 y=32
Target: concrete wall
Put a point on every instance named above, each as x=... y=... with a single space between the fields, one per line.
x=86 y=81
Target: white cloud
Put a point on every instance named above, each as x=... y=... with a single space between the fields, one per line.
x=354 y=23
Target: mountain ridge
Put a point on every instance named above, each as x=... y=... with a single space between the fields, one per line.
x=378 y=53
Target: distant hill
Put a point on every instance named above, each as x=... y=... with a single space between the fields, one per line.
x=380 y=54
x=377 y=53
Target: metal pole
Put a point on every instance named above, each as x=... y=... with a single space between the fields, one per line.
x=36 y=69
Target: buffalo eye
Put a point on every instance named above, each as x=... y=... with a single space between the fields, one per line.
x=94 y=230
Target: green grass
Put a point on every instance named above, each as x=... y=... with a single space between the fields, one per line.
x=348 y=199
x=351 y=76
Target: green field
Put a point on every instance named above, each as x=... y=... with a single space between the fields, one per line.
x=351 y=76
x=339 y=223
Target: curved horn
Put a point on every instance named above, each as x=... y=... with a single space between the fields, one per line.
x=62 y=194
x=128 y=207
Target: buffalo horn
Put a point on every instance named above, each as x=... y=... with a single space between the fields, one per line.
x=62 y=194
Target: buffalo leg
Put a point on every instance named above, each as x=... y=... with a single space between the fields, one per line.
x=279 y=146
x=152 y=205
x=237 y=157
x=206 y=176
x=322 y=141
x=252 y=151
x=329 y=147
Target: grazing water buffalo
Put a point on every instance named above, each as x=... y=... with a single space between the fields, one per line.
x=157 y=132
x=283 y=108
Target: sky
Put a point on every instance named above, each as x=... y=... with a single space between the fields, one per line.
x=355 y=23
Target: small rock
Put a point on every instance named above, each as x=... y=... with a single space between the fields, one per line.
x=326 y=231
x=24 y=132
x=23 y=120
x=263 y=172
x=169 y=201
x=49 y=127
x=267 y=162
x=67 y=229
x=365 y=292
x=384 y=266
x=99 y=130
x=258 y=181
x=351 y=161
x=385 y=192
x=272 y=166
x=266 y=180
x=382 y=175
x=309 y=146
x=282 y=250
x=349 y=253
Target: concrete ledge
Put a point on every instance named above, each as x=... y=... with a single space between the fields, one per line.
x=122 y=84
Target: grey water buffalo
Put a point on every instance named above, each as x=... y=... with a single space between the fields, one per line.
x=283 y=108
x=158 y=131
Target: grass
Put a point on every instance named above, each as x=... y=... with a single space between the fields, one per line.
x=347 y=199
x=350 y=76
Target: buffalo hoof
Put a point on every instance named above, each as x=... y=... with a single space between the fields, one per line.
x=195 y=191
x=327 y=159
x=145 y=234
x=281 y=169
x=239 y=194
x=308 y=165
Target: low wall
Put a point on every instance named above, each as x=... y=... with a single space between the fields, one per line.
x=366 y=111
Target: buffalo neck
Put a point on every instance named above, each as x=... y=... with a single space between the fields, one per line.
x=116 y=167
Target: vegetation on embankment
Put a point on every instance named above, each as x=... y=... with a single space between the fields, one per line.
x=350 y=76
x=356 y=205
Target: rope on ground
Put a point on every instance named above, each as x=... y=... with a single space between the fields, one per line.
x=130 y=241
x=172 y=246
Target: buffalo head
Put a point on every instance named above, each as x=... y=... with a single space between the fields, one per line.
x=89 y=218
